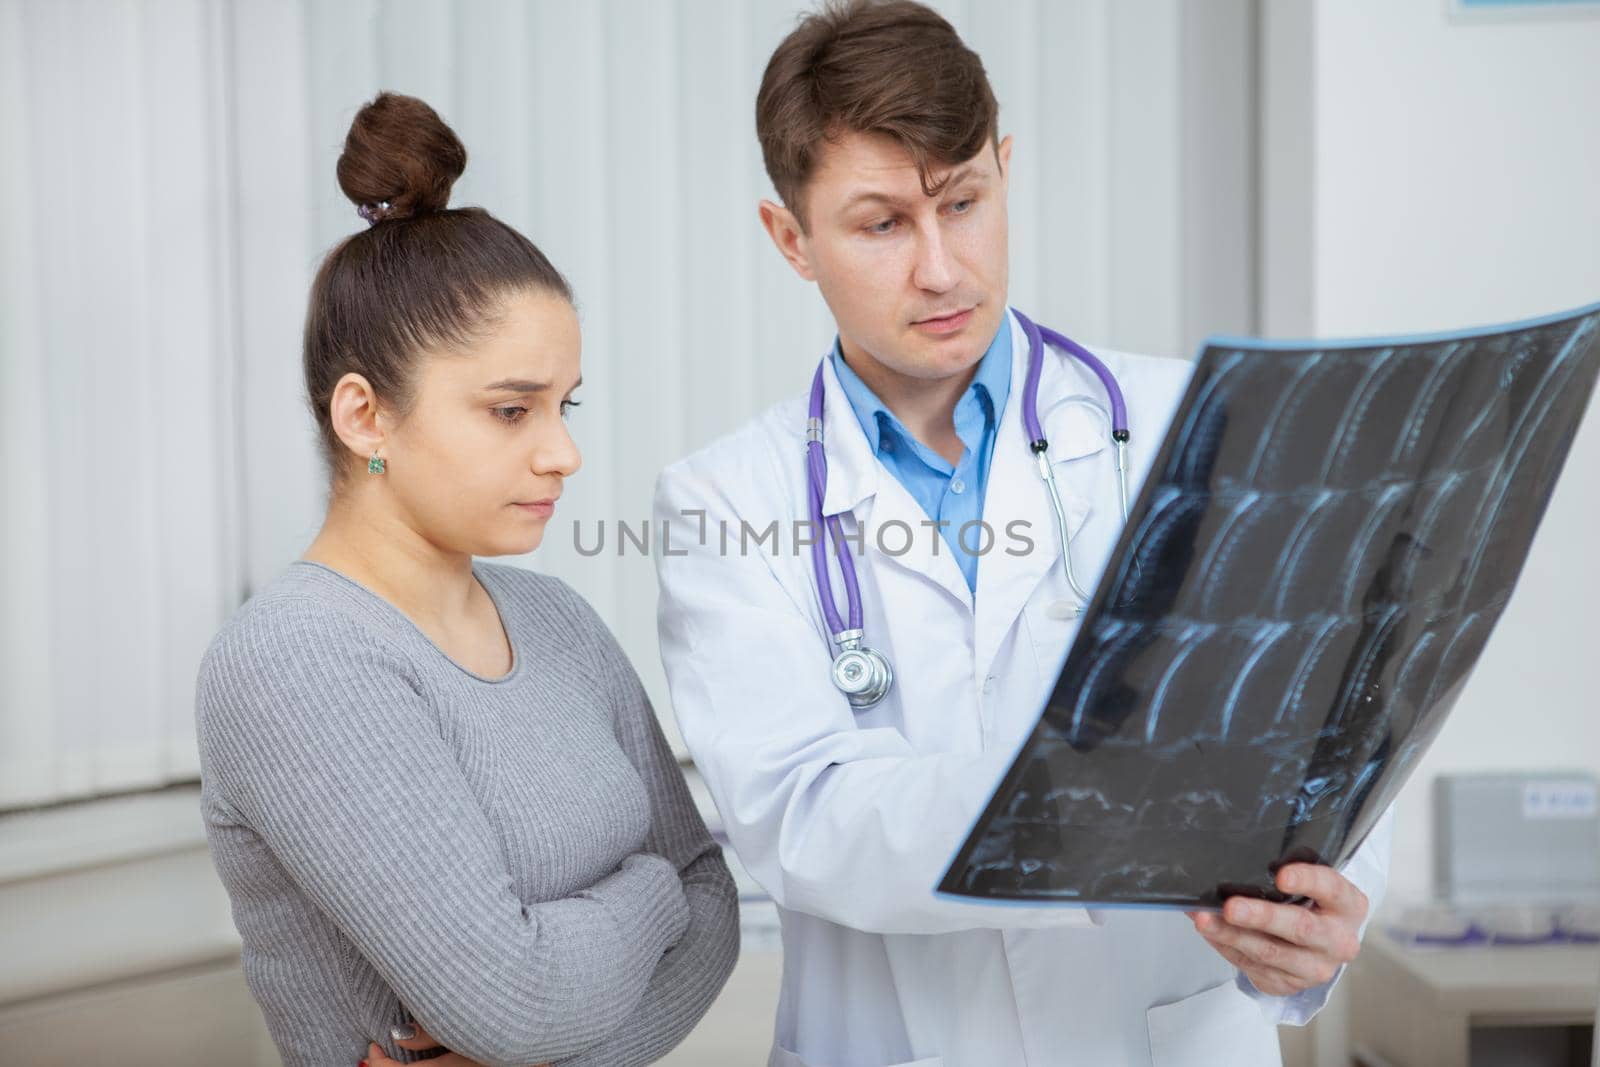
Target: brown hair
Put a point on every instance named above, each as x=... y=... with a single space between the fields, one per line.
x=420 y=277
x=873 y=66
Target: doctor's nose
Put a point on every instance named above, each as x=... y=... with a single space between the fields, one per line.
x=934 y=271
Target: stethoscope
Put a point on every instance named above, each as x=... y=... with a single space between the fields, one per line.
x=861 y=673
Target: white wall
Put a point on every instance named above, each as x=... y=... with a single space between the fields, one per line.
x=1427 y=170
x=169 y=169
x=118 y=552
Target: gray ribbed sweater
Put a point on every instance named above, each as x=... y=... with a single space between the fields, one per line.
x=514 y=863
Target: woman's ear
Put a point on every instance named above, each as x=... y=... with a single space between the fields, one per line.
x=355 y=416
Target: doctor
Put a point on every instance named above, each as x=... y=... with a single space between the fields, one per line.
x=879 y=133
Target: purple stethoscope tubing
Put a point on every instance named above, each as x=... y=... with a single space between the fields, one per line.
x=862 y=673
x=817 y=460
x=1038 y=336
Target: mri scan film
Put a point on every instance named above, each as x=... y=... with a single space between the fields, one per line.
x=1315 y=562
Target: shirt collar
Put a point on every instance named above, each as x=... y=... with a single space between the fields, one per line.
x=989 y=385
x=868 y=408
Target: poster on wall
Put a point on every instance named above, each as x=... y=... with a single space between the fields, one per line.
x=1528 y=6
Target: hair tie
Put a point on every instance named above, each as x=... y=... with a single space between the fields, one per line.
x=373 y=212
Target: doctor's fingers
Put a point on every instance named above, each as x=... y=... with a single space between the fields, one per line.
x=1333 y=892
x=1331 y=933
x=1269 y=980
x=1308 y=965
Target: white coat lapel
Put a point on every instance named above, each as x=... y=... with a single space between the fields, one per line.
x=852 y=468
x=1016 y=492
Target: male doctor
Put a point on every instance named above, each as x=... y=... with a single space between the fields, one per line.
x=878 y=128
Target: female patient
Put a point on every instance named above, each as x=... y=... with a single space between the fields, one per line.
x=434 y=788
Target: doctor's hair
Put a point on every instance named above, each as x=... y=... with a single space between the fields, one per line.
x=418 y=277
x=890 y=67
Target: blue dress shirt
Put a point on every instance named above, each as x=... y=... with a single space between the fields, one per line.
x=951 y=495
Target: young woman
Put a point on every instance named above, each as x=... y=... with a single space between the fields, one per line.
x=434 y=788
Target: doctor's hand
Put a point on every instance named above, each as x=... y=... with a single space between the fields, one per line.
x=419 y=1043
x=1286 y=948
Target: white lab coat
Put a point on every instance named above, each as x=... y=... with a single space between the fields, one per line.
x=849 y=820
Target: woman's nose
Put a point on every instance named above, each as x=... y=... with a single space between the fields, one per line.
x=559 y=456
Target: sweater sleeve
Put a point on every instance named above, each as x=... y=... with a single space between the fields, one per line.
x=319 y=736
x=690 y=975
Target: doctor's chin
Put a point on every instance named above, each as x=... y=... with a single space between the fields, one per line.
x=799 y=533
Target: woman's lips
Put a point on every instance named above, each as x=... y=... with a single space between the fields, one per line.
x=538 y=507
x=945 y=324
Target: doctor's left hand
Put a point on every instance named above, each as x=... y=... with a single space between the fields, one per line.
x=1286 y=948
x=419 y=1043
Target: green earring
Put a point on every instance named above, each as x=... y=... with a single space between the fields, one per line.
x=375 y=465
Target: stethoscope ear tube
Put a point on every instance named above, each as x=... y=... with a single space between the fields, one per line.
x=1049 y=476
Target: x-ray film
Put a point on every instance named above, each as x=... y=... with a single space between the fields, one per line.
x=1319 y=554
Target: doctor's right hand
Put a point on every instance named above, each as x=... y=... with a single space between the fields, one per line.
x=1284 y=949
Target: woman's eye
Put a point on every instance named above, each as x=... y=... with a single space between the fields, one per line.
x=509 y=414
x=568 y=405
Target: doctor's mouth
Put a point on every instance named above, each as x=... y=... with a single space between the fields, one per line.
x=894 y=537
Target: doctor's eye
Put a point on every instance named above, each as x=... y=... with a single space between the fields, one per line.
x=511 y=419
x=961 y=207
x=568 y=405
x=884 y=226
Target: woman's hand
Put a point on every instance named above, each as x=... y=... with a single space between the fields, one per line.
x=423 y=1041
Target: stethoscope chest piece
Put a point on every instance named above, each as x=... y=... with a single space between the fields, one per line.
x=862 y=674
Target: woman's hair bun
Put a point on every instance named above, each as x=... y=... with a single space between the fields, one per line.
x=400 y=152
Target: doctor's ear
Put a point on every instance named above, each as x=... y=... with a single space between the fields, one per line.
x=784 y=229
x=1003 y=155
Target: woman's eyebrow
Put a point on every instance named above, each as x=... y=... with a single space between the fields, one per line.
x=522 y=385
x=516 y=385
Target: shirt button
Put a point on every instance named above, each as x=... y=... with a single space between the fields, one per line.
x=957 y=485
x=988 y=684
x=1061 y=609
x=888 y=444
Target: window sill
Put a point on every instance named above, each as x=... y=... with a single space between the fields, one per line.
x=95 y=833
x=107 y=890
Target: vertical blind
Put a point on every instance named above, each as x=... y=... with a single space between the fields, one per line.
x=167 y=171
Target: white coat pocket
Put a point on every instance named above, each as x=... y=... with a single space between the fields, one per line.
x=782 y=1057
x=1216 y=1027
